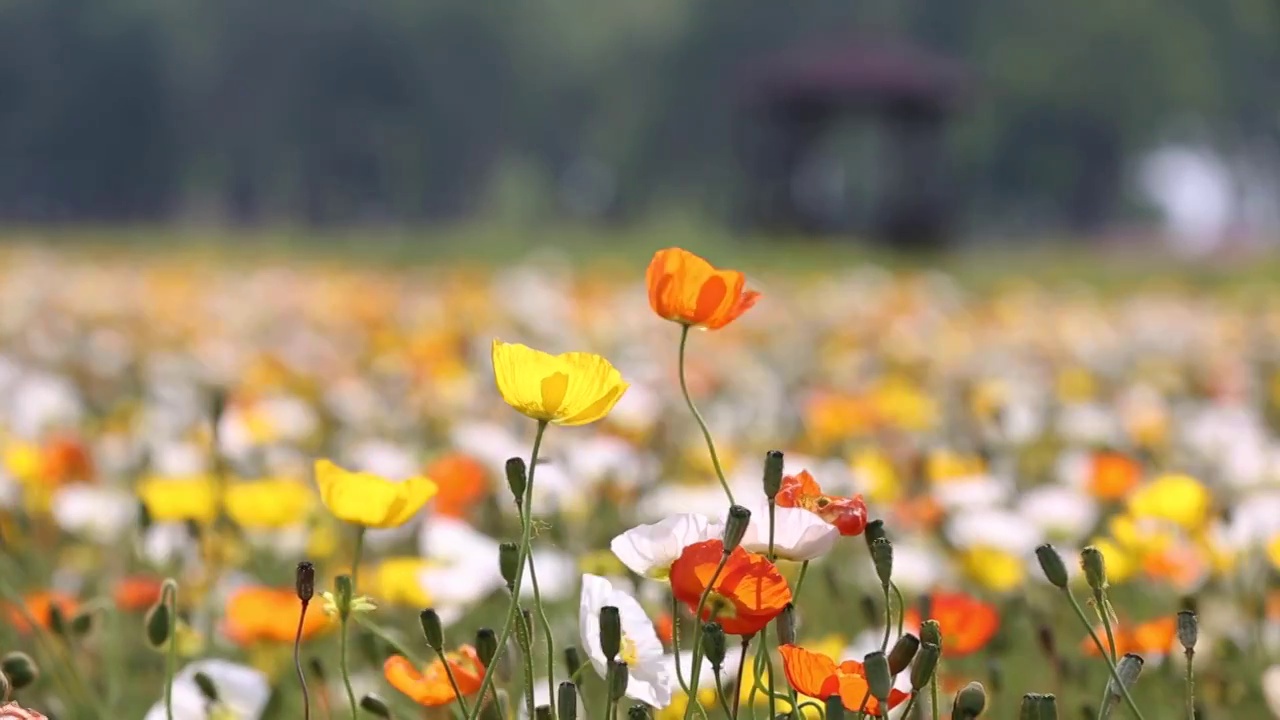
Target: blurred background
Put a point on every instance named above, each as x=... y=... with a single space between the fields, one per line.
x=920 y=123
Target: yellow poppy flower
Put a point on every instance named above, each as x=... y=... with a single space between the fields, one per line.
x=363 y=498
x=1180 y=499
x=1121 y=563
x=267 y=504
x=177 y=499
x=396 y=582
x=993 y=568
x=573 y=388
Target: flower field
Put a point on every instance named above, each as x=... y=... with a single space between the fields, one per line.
x=547 y=490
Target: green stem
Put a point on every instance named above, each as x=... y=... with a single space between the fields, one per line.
x=773 y=697
x=524 y=638
x=1191 y=686
x=888 y=618
x=355 y=561
x=724 y=700
x=297 y=663
x=342 y=663
x=1100 y=602
x=706 y=434
x=696 y=671
x=862 y=706
x=526 y=537
x=911 y=703
x=675 y=643
x=390 y=640
x=48 y=645
x=1128 y=698
x=737 y=685
x=933 y=694
x=804 y=570
x=546 y=624
x=170 y=596
x=902 y=607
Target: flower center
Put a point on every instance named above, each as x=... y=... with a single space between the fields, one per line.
x=628 y=653
x=719 y=606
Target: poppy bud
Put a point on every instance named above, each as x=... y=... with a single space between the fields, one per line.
x=304 y=581
x=639 y=711
x=57 y=621
x=970 y=702
x=924 y=606
x=874 y=531
x=508 y=562
x=486 y=646
x=835 y=708
x=1129 y=668
x=904 y=650
x=206 y=686
x=432 y=629
x=1048 y=644
x=882 y=556
x=1051 y=564
x=996 y=674
x=20 y=669
x=1095 y=567
x=82 y=623
x=931 y=633
x=618 y=677
x=786 y=624
x=735 y=527
x=572 y=661
x=879 y=679
x=1030 y=708
x=1188 y=629
x=713 y=644
x=772 y=473
x=517 y=478
x=542 y=712
x=375 y=706
x=342 y=595
x=1048 y=705
x=144 y=517
x=157 y=623
x=567 y=701
x=926 y=662
x=610 y=631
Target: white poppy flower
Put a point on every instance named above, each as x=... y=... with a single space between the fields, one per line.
x=1059 y=511
x=99 y=513
x=242 y=690
x=973 y=492
x=650 y=550
x=706 y=676
x=648 y=680
x=995 y=528
x=798 y=534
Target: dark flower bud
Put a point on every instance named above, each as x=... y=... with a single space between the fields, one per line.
x=567 y=701
x=1048 y=707
x=1129 y=668
x=20 y=669
x=925 y=663
x=542 y=712
x=343 y=592
x=969 y=702
x=375 y=706
x=304 y=581
x=835 y=708
x=618 y=677
x=1095 y=567
x=879 y=679
x=316 y=666
x=57 y=621
x=1188 y=629
x=144 y=517
x=157 y=623
x=509 y=562
x=82 y=623
x=572 y=661
x=1030 y=708
x=713 y=644
x=517 y=478
x=882 y=556
x=874 y=531
x=486 y=646
x=772 y=473
x=1055 y=570
x=903 y=652
x=610 y=631
x=931 y=632
x=206 y=686
x=639 y=711
x=786 y=624
x=735 y=527
x=432 y=629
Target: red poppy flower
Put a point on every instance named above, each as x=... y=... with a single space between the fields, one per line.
x=745 y=597
x=967 y=623
x=136 y=593
x=431 y=687
x=848 y=514
x=818 y=676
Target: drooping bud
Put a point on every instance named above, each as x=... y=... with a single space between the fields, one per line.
x=772 y=473
x=486 y=646
x=969 y=702
x=343 y=591
x=835 y=708
x=1129 y=668
x=639 y=711
x=786 y=624
x=20 y=669
x=1188 y=629
x=610 y=632
x=517 y=478
x=572 y=661
x=57 y=621
x=879 y=679
x=542 y=712
x=735 y=527
x=82 y=623
x=304 y=581
x=375 y=706
x=567 y=701
x=713 y=644
x=1095 y=568
x=206 y=686
x=882 y=556
x=925 y=664
x=1055 y=570
x=157 y=623
x=903 y=652
x=508 y=563
x=618 y=677
x=931 y=632
x=432 y=629
x=874 y=531
x=144 y=518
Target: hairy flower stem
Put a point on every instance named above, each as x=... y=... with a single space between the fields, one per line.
x=542 y=617
x=297 y=662
x=675 y=643
x=1124 y=690
x=526 y=538
x=737 y=685
x=1191 y=685
x=1104 y=613
x=346 y=674
x=706 y=434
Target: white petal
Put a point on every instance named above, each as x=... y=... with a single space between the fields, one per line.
x=651 y=549
x=797 y=533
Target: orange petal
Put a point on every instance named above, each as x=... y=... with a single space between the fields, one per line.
x=810 y=673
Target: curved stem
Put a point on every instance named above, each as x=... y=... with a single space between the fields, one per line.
x=804 y=570
x=524 y=638
x=526 y=537
x=386 y=637
x=297 y=663
x=355 y=562
x=706 y=434
x=342 y=664
x=542 y=617
x=933 y=694
x=453 y=683
x=171 y=659
x=1100 y=605
x=724 y=700
x=888 y=618
x=902 y=607
x=737 y=685
x=1124 y=690
x=911 y=703
x=675 y=643
x=773 y=696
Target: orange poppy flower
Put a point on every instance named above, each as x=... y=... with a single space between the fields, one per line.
x=1112 y=475
x=666 y=627
x=747 y=595
x=687 y=289
x=65 y=459
x=137 y=592
x=39 y=604
x=431 y=688
x=818 y=676
x=1146 y=639
x=967 y=623
x=265 y=614
x=462 y=481
x=802 y=491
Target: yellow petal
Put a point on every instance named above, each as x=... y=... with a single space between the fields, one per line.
x=571 y=389
x=366 y=499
